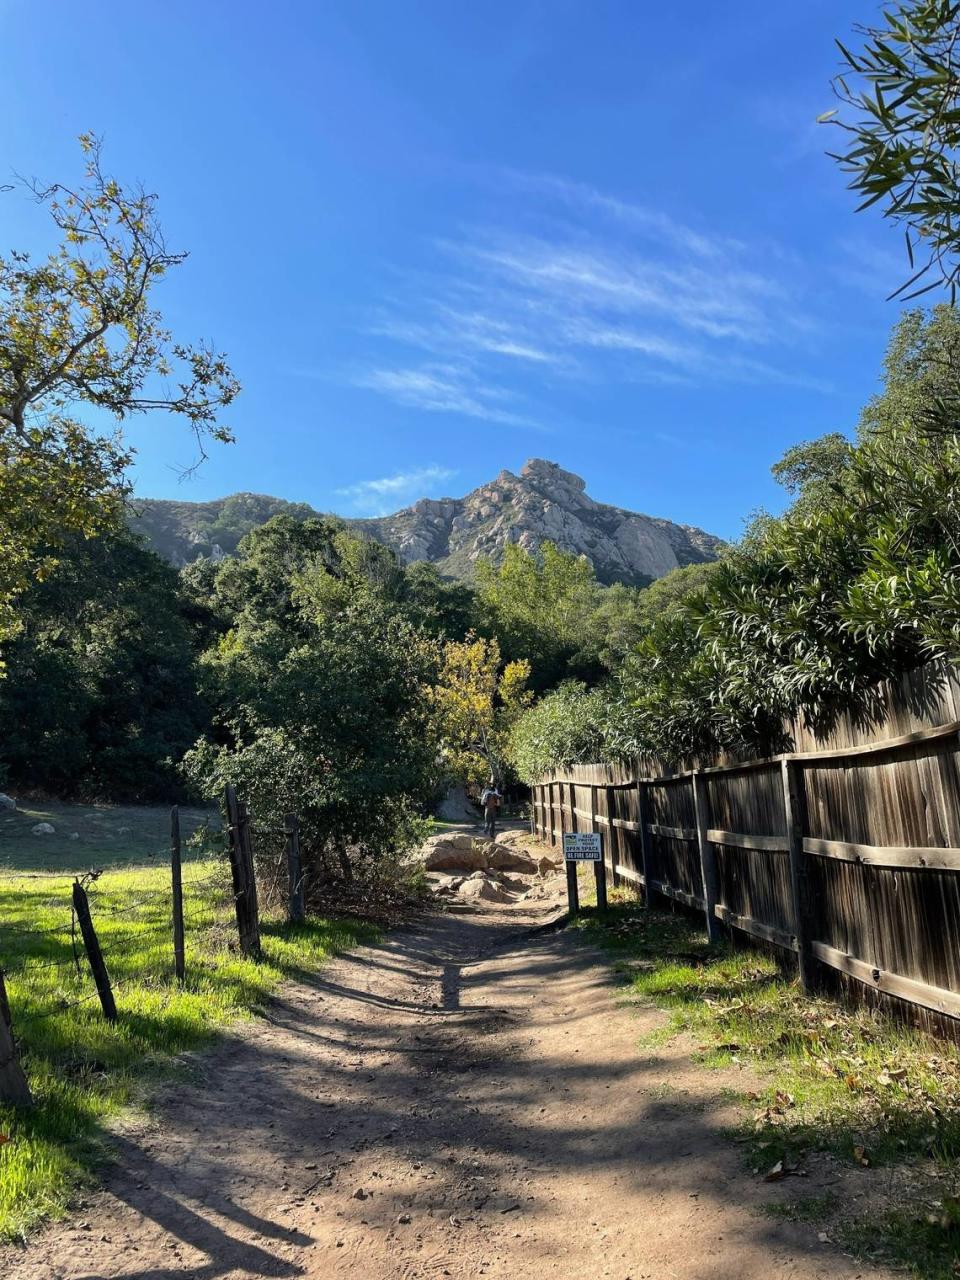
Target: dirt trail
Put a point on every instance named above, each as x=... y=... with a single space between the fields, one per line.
x=464 y=1099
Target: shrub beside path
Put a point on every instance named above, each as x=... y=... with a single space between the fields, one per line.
x=465 y=1098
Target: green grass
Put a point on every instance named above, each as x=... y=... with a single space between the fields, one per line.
x=87 y=835
x=852 y=1082
x=82 y=1070
x=927 y=1243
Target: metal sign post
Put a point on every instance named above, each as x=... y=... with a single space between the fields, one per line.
x=584 y=846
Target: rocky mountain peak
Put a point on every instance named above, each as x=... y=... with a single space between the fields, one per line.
x=544 y=503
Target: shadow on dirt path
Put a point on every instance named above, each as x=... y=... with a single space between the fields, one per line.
x=465 y=1098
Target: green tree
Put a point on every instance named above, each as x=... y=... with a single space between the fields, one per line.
x=443 y=608
x=566 y=727
x=899 y=95
x=101 y=697
x=540 y=607
x=320 y=684
x=78 y=329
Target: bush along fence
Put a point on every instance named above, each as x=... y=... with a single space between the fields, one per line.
x=843 y=853
x=78 y=935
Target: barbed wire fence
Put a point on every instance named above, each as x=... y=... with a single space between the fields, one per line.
x=177 y=911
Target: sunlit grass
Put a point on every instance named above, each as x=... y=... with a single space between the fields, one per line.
x=82 y=1070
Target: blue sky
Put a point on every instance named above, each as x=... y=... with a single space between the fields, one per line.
x=439 y=238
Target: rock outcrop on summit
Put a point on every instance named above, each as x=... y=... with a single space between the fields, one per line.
x=543 y=503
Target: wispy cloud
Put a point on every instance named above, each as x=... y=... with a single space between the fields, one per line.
x=651 y=223
x=446 y=389
x=385 y=494
x=587 y=285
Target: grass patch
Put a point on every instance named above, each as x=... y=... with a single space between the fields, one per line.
x=93 y=835
x=84 y=1071
x=806 y=1209
x=926 y=1245
x=853 y=1082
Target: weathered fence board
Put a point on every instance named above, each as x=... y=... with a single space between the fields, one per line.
x=843 y=850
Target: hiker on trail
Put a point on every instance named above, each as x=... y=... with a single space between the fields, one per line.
x=490 y=802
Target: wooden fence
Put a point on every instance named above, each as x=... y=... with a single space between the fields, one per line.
x=843 y=852
x=240 y=831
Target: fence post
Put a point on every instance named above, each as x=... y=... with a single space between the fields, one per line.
x=91 y=943
x=13 y=1083
x=646 y=856
x=573 y=891
x=176 y=876
x=553 y=832
x=612 y=840
x=244 y=877
x=600 y=875
x=793 y=809
x=296 y=911
x=708 y=856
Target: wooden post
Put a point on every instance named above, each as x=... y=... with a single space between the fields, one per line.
x=793 y=808
x=600 y=873
x=176 y=876
x=244 y=877
x=553 y=832
x=708 y=856
x=612 y=841
x=646 y=853
x=13 y=1083
x=296 y=910
x=91 y=943
x=573 y=891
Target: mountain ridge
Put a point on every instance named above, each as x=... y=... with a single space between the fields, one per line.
x=541 y=503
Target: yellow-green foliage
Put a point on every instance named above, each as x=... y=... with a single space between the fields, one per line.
x=83 y=1070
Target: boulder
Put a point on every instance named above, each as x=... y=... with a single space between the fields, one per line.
x=43 y=829
x=546 y=866
x=483 y=890
x=514 y=883
x=502 y=859
x=457 y=807
x=7 y=802
x=448 y=856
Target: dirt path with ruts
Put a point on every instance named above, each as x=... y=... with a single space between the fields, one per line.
x=466 y=1099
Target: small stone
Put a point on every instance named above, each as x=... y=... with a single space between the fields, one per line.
x=43 y=829
x=403 y=1219
x=360 y=1194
